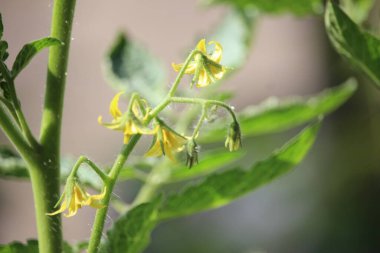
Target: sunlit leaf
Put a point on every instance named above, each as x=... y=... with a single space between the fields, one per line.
x=29 y=51
x=220 y=189
x=131 y=232
x=296 y=7
x=358 y=10
x=129 y=67
x=359 y=47
x=274 y=116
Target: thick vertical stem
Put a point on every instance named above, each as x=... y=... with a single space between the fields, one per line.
x=45 y=174
x=46 y=194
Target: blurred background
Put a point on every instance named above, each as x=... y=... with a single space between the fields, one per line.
x=328 y=204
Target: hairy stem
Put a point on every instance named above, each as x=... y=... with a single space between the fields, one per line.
x=45 y=175
x=101 y=214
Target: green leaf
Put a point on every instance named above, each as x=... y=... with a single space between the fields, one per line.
x=30 y=247
x=220 y=189
x=358 y=10
x=209 y=162
x=11 y=165
x=29 y=51
x=235 y=34
x=296 y=7
x=3 y=44
x=129 y=67
x=358 y=46
x=131 y=232
x=18 y=247
x=273 y=116
x=1 y=27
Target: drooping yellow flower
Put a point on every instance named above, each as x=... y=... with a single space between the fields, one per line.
x=206 y=68
x=130 y=123
x=166 y=142
x=74 y=197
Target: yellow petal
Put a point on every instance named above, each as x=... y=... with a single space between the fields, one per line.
x=217 y=72
x=201 y=46
x=218 y=50
x=155 y=150
x=114 y=105
x=95 y=200
x=60 y=210
x=203 y=79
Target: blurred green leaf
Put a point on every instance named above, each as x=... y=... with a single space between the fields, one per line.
x=11 y=165
x=18 y=247
x=273 y=116
x=1 y=27
x=129 y=67
x=131 y=232
x=29 y=51
x=359 y=47
x=30 y=247
x=296 y=7
x=3 y=44
x=220 y=189
x=358 y=10
x=209 y=162
x=235 y=33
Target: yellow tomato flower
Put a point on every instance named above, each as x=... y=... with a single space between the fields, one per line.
x=206 y=68
x=75 y=197
x=166 y=142
x=130 y=123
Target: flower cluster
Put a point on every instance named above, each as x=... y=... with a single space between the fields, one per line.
x=206 y=69
x=136 y=120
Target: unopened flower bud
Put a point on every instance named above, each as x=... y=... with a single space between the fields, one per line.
x=192 y=149
x=233 y=141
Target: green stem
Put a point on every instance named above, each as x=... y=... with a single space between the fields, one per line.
x=204 y=102
x=96 y=169
x=101 y=214
x=17 y=107
x=200 y=122
x=182 y=72
x=45 y=175
x=14 y=135
x=10 y=109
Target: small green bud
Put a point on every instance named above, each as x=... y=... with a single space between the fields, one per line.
x=192 y=150
x=233 y=141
